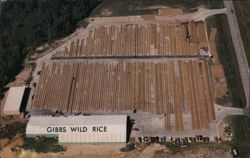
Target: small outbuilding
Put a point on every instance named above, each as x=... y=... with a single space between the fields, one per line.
x=80 y=129
x=14 y=100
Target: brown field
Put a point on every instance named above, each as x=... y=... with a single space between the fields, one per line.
x=201 y=35
x=212 y=43
x=160 y=87
x=220 y=83
x=148 y=17
x=220 y=80
x=213 y=51
x=170 y=11
x=140 y=40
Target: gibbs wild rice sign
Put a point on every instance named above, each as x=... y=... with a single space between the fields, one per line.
x=77 y=129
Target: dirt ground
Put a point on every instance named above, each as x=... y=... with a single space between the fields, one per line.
x=148 y=17
x=6 y=151
x=113 y=151
x=106 y=12
x=197 y=153
x=170 y=11
x=220 y=80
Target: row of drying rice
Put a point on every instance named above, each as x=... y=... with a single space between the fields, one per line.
x=139 y=40
x=169 y=88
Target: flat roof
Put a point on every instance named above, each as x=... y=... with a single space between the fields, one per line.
x=14 y=100
x=44 y=120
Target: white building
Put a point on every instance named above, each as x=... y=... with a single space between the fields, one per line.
x=14 y=100
x=80 y=129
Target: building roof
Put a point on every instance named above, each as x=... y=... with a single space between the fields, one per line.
x=44 y=120
x=14 y=100
x=88 y=129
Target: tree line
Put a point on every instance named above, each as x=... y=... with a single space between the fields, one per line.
x=26 y=24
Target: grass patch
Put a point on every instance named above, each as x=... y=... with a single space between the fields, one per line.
x=160 y=154
x=43 y=145
x=223 y=100
x=127 y=7
x=241 y=131
x=242 y=10
x=227 y=58
x=11 y=130
x=128 y=147
x=210 y=145
x=174 y=148
x=38 y=145
x=122 y=8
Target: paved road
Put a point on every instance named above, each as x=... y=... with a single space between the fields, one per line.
x=222 y=112
x=239 y=48
x=202 y=15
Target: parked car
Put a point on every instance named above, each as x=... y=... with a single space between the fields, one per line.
x=157 y=139
x=163 y=139
x=235 y=152
x=145 y=139
x=152 y=139
x=177 y=140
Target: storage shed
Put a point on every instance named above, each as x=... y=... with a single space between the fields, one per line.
x=80 y=129
x=14 y=100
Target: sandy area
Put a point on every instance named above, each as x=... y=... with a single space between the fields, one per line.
x=6 y=152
